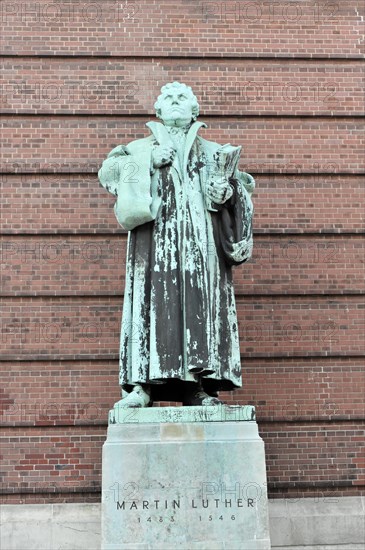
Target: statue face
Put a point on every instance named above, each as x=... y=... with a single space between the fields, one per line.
x=176 y=107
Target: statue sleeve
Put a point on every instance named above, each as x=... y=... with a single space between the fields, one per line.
x=127 y=175
x=234 y=221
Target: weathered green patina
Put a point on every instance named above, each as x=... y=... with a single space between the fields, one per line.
x=188 y=210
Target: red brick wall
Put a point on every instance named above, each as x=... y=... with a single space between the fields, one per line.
x=284 y=79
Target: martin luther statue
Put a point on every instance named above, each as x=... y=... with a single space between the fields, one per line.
x=188 y=211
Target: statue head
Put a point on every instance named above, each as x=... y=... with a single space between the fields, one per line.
x=177 y=105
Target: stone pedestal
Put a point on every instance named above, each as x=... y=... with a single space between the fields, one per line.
x=187 y=478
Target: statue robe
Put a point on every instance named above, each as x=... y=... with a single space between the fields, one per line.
x=179 y=314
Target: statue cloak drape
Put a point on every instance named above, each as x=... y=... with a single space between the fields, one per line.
x=179 y=313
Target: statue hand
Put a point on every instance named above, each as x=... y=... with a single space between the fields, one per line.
x=219 y=192
x=162 y=156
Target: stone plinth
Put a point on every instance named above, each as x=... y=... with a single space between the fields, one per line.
x=188 y=478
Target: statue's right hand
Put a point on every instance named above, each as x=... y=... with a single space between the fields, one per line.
x=162 y=155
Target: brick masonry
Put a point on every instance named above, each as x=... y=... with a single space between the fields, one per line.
x=282 y=79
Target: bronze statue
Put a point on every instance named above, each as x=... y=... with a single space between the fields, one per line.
x=188 y=210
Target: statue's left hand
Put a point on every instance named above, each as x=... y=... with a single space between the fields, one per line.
x=219 y=192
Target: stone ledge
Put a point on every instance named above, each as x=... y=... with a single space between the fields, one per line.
x=318 y=523
x=323 y=547
x=77 y=526
x=220 y=413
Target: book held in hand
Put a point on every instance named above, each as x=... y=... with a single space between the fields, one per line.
x=227 y=158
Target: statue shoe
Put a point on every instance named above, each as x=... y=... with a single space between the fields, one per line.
x=137 y=399
x=200 y=398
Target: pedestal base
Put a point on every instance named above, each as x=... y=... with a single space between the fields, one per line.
x=193 y=484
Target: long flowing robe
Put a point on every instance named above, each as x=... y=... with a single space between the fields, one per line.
x=179 y=314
